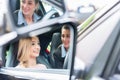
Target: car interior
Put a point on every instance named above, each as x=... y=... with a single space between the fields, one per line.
x=51 y=39
x=42 y=11
x=45 y=39
x=48 y=38
x=55 y=42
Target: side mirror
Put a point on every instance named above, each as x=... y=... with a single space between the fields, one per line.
x=46 y=10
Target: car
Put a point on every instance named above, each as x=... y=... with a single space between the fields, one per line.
x=51 y=22
x=94 y=45
x=98 y=45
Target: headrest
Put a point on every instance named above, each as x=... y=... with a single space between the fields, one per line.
x=14 y=5
x=56 y=41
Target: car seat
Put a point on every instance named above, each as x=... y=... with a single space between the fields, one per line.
x=14 y=5
x=11 y=58
x=56 y=41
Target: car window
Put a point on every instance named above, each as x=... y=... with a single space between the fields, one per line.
x=47 y=44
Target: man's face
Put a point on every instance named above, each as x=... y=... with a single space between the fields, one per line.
x=65 y=37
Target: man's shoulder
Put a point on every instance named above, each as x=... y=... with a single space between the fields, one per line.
x=58 y=51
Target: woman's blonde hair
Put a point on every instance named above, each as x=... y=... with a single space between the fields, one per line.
x=23 y=51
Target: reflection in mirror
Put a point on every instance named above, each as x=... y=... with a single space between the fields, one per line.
x=26 y=12
x=54 y=51
x=60 y=47
x=28 y=51
x=45 y=50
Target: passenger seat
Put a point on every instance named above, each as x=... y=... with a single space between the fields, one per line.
x=56 y=41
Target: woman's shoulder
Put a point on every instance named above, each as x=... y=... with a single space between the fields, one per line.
x=19 y=66
x=41 y=66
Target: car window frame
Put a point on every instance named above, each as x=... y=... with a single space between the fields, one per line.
x=91 y=26
x=59 y=71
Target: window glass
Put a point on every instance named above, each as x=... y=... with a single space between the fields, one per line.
x=60 y=41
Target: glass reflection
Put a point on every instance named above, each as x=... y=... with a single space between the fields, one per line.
x=26 y=12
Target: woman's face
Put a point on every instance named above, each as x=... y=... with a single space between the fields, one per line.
x=35 y=47
x=28 y=7
x=65 y=37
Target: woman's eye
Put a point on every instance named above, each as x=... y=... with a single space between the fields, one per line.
x=33 y=43
x=23 y=1
x=29 y=3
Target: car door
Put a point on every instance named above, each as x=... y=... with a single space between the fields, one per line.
x=97 y=46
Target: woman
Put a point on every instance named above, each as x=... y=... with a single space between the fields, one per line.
x=26 y=15
x=23 y=17
x=29 y=49
x=62 y=50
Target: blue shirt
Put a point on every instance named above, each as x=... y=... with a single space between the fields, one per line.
x=21 y=19
x=64 y=52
